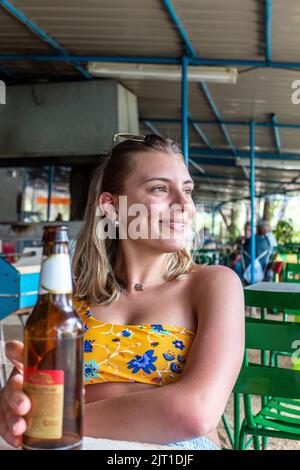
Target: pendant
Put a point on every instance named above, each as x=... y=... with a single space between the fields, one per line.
x=138 y=286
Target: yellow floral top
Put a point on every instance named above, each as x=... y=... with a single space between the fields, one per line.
x=147 y=353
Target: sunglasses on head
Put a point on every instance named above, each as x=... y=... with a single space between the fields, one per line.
x=145 y=139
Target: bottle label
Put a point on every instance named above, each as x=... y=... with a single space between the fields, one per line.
x=56 y=275
x=45 y=389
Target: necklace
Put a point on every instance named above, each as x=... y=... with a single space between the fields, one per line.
x=138 y=286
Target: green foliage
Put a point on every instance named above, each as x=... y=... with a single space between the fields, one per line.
x=233 y=234
x=284 y=232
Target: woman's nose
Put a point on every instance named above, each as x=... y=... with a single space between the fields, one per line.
x=182 y=202
x=181 y=197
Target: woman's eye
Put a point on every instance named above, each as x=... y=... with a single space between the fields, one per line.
x=159 y=187
x=189 y=191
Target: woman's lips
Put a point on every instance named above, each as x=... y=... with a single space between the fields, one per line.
x=174 y=225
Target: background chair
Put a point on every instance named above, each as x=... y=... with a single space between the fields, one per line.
x=279 y=415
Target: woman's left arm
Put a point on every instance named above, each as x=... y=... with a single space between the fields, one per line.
x=192 y=406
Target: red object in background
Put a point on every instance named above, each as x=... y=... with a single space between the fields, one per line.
x=9 y=247
x=277 y=268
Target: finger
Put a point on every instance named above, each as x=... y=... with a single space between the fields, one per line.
x=16 y=399
x=14 y=351
x=16 y=425
x=12 y=440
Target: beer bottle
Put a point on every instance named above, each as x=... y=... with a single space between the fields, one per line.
x=53 y=358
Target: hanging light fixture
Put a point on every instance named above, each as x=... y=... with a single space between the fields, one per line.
x=162 y=72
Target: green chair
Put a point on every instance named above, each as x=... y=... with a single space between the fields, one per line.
x=279 y=415
x=291 y=274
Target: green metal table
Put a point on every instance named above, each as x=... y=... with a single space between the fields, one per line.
x=280 y=295
x=267 y=295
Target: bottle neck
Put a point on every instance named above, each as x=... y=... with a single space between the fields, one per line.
x=56 y=275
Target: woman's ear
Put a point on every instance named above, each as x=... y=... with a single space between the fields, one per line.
x=106 y=204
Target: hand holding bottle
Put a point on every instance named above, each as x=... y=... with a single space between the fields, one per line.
x=14 y=403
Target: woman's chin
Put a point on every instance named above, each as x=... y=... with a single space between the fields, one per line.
x=169 y=246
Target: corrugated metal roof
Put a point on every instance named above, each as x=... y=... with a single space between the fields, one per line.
x=285 y=27
x=256 y=95
x=115 y=27
x=222 y=29
x=16 y=39
x=234 y=29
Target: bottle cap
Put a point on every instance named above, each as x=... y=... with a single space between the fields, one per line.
x=55 y=233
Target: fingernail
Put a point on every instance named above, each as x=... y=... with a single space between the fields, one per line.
x=14 y=424
x=19 y=402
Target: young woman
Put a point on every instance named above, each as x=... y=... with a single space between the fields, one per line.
x=164 y=337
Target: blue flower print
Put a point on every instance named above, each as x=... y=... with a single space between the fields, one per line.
x=126 y=333
x=159 y=329
x=88 y=313
x=90 y=370
x=88 y=345
x=144 y=362
x=178 y=344
x=181 y=359
x=176 y=368
x=85 y=328
x=169 y=356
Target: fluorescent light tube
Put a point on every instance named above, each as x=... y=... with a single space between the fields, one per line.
x=162 y=72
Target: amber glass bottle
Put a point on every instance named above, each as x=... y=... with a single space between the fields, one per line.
x=53 y=360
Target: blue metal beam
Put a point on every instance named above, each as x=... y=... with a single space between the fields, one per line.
x=213 y=214
x=252 y=199
x=200 y=132
x=276 y=134
x=195 y=151
x=226 y=123
x=192 y=55
x=213 y=106
x=90 y=58
x=41 y=34
x=268 y=16
x=230 y=179
x=147 y=60
x=189 y=50
x=184 y=110
x=152 y=128
x=156 y=132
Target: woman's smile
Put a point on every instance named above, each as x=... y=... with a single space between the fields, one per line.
x=175 y=225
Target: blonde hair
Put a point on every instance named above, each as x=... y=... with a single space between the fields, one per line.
x=93 y=259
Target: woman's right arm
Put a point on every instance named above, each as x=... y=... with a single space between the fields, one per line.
x=14 y=403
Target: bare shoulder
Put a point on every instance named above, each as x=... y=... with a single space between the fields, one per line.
x=203 y=275
x=216 y=285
